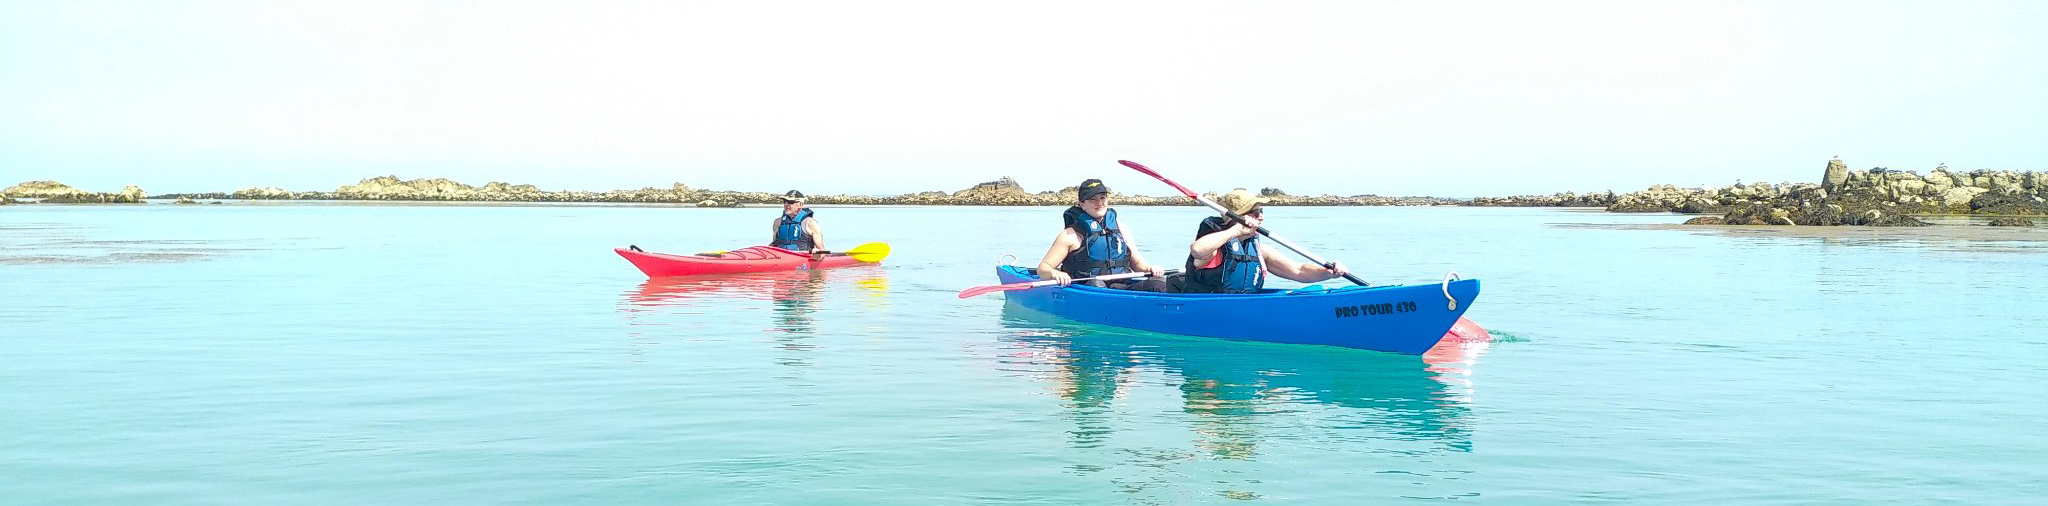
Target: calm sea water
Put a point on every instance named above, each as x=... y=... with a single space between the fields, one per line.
x=362 y=354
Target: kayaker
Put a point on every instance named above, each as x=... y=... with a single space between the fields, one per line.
x=1226 y=257
x=795 y=229
x=1093 y=244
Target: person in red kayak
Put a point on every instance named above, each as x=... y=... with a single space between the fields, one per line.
x=795 y=229
x=1093 y=244
x=1226 y=257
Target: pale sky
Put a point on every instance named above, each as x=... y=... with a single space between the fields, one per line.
x=885 y=97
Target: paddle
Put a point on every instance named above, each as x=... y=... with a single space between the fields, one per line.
x=1234 y=217
x=1021 y=285
x=870 y=252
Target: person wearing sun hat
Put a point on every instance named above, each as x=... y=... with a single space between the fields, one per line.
x=795 y=229
x=1226 y=257
x=1093 y=244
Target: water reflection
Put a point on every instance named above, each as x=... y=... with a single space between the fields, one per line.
x=792 y=299
x=1237 y=399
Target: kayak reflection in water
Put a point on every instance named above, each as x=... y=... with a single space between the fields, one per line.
x=1226 y=257
x=795 y=228
x=1236 y=397
x=792 y=297
x=1093 y=244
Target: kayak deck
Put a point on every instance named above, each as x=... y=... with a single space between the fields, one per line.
x=1406 y=319
x=748 y=259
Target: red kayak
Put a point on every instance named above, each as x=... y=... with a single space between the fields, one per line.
x=748 y=259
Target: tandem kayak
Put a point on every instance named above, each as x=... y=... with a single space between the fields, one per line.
x=748 y=259
x=1406 y=319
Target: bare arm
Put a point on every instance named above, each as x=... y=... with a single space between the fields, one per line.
x=817 y=237
x=1282 y=266
x=1049 y=266
x=1205 y=247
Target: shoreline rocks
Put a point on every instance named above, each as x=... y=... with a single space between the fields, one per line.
x=1874 y=197
x=1001 y=192
x=1565 y=199
x=52 y=192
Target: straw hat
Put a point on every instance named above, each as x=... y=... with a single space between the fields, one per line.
x=1241 y=201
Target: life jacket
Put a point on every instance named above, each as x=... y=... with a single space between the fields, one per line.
x=1102 y=248
x=1239 y=271
x=790 y=234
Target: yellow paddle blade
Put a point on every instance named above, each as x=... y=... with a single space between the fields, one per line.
x=870 y=252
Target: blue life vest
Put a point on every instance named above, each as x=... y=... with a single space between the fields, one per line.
x=790 y=234
x=1241 y=271
x=1102 y=248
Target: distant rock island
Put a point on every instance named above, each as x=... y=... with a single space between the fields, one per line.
x=1878 y=196
x=1001 y=192
x=53 y=192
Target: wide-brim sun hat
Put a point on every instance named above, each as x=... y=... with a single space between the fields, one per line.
x=1241 y=201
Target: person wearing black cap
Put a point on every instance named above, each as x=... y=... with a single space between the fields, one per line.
x=795 y=229
x=1093 y=244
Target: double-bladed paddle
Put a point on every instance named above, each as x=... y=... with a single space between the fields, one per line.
x=870 y=252
x=1023 y=285
x=1234 y=217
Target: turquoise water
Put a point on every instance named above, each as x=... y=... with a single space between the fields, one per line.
x=361 y=354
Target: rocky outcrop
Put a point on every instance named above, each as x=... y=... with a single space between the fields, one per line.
x=2009 y=203
x=2011 y=221
x=1707 y=220
x=1668 y=198
x=1875 y=197
x=52 y=192
x=1941 y=191
x=262 y=193
x=1565 y=199
x=5 y=200
x=185 y=201
x=40 y=190
x=1001 y=192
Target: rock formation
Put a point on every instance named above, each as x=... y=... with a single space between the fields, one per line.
x=1879 y=196
x=52 y=192
x=1565 y=199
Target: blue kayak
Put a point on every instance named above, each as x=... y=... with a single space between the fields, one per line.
x=1406 y=319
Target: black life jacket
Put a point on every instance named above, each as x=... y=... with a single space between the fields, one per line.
x=790 y=234
x=1102 y=248
x=1241 y=271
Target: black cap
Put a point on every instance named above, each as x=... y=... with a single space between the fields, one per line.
x=1090 y=188
x=793 y=196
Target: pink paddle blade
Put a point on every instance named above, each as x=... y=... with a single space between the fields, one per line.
x=970 y=292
